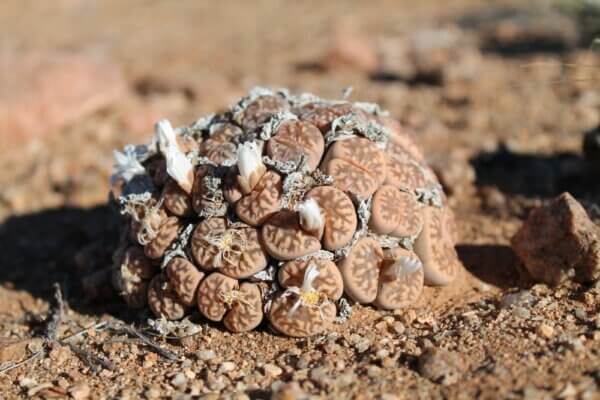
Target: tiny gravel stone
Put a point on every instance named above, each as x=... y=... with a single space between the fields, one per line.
x=522 y=297
x=581 y=314
x=373 y=371
x=80 y=391
x=382 y=353
x=521 y=312
x=441 y=366
x=205 y=355
x=179 y=380
x=569 y=391
x=545 y=330
x=272 y=370
x=227 y=366
x=363 y=345
x=398 y=327
x=27 y=383
x=319 y=376
x=152 y=393
x=287 y=391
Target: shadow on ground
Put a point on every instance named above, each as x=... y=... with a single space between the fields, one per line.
x=490 y=263
x=536 y=175
x=42 y=248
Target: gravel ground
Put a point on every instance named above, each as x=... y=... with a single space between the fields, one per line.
x=501 y=121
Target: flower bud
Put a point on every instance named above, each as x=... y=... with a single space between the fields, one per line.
x=250 y=166
x=311 y=219
x=178 y=166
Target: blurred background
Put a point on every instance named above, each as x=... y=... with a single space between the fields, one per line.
x=484 y=84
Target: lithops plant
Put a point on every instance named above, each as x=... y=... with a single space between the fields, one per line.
x=281 y=208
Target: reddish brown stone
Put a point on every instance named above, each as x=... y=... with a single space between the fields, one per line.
x=558 y=239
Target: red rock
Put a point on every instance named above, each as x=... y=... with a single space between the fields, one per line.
x=42 y=91
x=558 y=240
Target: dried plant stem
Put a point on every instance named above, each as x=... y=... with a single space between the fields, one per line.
x=23 y=362
x=144 y=339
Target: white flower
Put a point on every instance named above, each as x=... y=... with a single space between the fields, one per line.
x=307 y=295
x=179 y=167
x=126 y=165
x=250 y=165
x=311 y=219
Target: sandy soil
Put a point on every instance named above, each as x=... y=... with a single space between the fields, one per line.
x=506 y=137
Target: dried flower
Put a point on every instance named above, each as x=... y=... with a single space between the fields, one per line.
x=250 y=166
x=126 y=165
x=311 y=219
x=178 y=166
x=230 y=244
x=307 y=295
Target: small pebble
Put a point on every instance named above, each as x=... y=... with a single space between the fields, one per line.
x=272 y=370
x=522 y=312
x=205 y=355
x=363 y=345
x=441 y=366
x=27 y=383
x=373 y=371
x=545 y=330
x=398 y=327
x=80 y=391
x=152 y=393
x=227 y=366
x=581 y=314
x=179 y=380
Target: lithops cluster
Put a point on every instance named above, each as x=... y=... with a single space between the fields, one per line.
x=277 y=210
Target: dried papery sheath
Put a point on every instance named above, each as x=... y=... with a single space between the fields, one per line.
x=266 y=275
x=203 y=123
x=431 y=196
x=283 y=167
x=386 y=241
x=270 y=128
x=213 y=199
x=364 y=213
x=298 y=181
x=250 y=166
x=127 y=165
x=318 y=255
x=179 y=246
x=345 y=311
x=371 y=108
x=311 y=218
x=304 y=99
x=351 y=124
x=238 y=109
x=178 y=166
